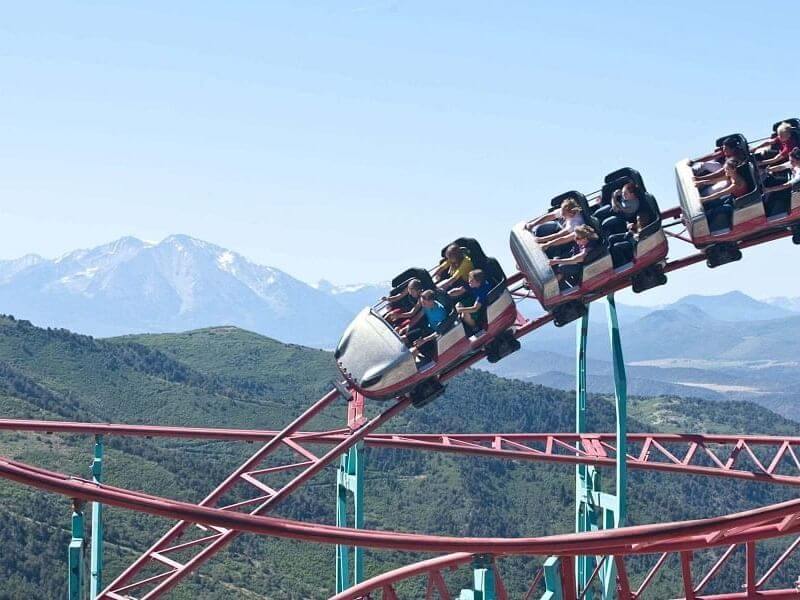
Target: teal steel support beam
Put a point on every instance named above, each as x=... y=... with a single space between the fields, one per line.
x=552 y=579
x=619 y=511
x=595 y=509
x=96 y=583
x=75 y=553
x=484 y=586
x=621 y=402
x=350 y=481
x=586 y=476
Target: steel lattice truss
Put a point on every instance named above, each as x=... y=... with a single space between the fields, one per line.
x=758 y=458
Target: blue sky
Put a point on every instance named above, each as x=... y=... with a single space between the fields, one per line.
x=348 y=140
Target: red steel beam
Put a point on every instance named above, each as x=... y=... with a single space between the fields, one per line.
x=497 y=445
x=756 y=524
x=273 y=499
x=335 y=436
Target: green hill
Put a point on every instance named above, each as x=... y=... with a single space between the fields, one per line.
x=229 y=377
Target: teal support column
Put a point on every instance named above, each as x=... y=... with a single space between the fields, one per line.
x=595 y=509
x=586 y=476
x=350 y=481
x=75 y=554
x=621 y=402
x=483 y=580
x=617 y=513
x=96 y=583
x=552 y=579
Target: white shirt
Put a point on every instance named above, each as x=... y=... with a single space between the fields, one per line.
x=795 y=180
x=570 y=223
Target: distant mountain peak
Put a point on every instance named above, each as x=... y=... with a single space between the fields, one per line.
x=132 y=286
x=734 y=306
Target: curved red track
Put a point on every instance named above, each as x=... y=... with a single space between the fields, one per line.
x=762 y=523
x=731 y=530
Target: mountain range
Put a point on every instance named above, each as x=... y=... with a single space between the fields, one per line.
x=180 y=283
x=707 y=346
x=131 y=286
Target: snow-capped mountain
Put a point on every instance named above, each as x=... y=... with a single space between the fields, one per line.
x=354 y=297
x=131 y=286
x=791 y=304
x=9 y=268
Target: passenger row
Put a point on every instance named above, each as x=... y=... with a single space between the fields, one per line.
x=430 y=322
x=583 y=244
x=420 y=312
x=740 y=189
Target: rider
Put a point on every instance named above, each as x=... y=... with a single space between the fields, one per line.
x=457 y=265
x=471 y=313
x=624 y=205
x=719 y=204
x=570 y=268
x=777 y=198
x=554 y=230
x=412 y=292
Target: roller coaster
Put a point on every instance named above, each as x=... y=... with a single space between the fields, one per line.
x=593 y=563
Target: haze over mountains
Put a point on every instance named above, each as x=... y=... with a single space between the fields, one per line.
x=709 y=346
x=131 y=286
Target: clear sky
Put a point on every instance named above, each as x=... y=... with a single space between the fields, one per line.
x=348 y=140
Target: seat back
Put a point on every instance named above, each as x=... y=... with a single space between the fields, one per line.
x=626 y=174
x=737 y=138
x=649 y=207
x=793 y=121
x=445 y=300
x=593 y=222
x=496 y=277
x=400 y=283
x=748 y=172
x=473 y=248
x=580 y=198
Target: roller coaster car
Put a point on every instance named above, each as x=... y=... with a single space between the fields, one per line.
x=720 y=239
x=643 y=266
x=378 y=364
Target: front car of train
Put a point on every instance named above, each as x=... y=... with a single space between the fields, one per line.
x=378 y=362
x=629 y=247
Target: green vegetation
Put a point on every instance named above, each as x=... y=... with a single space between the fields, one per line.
x=231 y=378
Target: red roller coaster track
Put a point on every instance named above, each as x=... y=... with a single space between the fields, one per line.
x=732 y=531
x=755 y=458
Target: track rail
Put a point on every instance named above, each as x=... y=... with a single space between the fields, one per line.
x=731 y=532
x=767 y=459
x=763 y=523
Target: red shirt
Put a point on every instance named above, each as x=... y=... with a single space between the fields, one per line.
x=740 y=187
x=789 y=145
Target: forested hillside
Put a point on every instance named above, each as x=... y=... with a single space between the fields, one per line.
x=229 y=377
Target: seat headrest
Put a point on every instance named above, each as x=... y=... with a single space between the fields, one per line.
x=748 y=173
x=421 y=274
x=793 y=121
x=473 y=249
x=736 y=138
x=627 y=174
x=624 y=176
x=556 y=202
